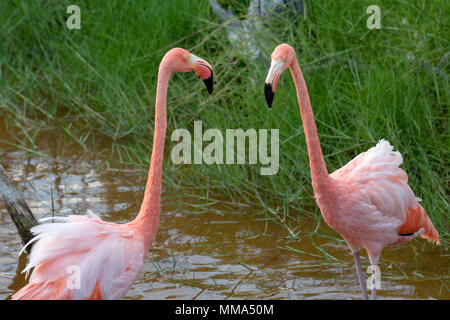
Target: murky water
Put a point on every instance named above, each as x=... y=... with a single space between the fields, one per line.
x=214 y=255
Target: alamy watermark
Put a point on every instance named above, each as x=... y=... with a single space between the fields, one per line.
x=374 y=280
x=374 y=20
x=74 y=20
x=73 y=277
x=227 y=149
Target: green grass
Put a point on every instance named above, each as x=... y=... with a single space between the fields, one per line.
x=365 y=85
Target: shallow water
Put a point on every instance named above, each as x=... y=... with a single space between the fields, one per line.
x=216 y=255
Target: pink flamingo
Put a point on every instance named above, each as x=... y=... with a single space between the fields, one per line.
x=368 y=201
x=83 y=257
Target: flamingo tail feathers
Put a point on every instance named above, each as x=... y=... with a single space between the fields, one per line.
x=416 y=219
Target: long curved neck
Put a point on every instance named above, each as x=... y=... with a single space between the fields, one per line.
x=319 y=173
x=148 y=216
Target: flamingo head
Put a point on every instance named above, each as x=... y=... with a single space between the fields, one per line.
x=282 y=57
x=181 y=60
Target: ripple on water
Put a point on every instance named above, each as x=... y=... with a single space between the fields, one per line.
x=207 y=256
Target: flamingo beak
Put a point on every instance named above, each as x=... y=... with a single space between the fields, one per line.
x=204 y=70
x=269 y=94
x=209 y=82
x=272 y=79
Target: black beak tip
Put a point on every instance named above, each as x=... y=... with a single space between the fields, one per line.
x=269 y=94
x=209 y=83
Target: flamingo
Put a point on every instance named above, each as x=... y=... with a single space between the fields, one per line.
x=106 y=257
x=368 y=201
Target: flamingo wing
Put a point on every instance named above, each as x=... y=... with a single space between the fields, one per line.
x=82 y=257
x=376 y=175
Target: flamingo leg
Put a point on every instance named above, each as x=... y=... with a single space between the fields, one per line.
x=362 y=282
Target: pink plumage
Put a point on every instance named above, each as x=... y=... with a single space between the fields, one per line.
x=368 y=201
x=83 y=257
x=107 y=257
x=374 y=202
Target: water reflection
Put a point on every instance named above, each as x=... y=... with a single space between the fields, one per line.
x=206 y=256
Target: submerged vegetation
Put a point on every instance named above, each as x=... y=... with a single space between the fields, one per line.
x=364 y=85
